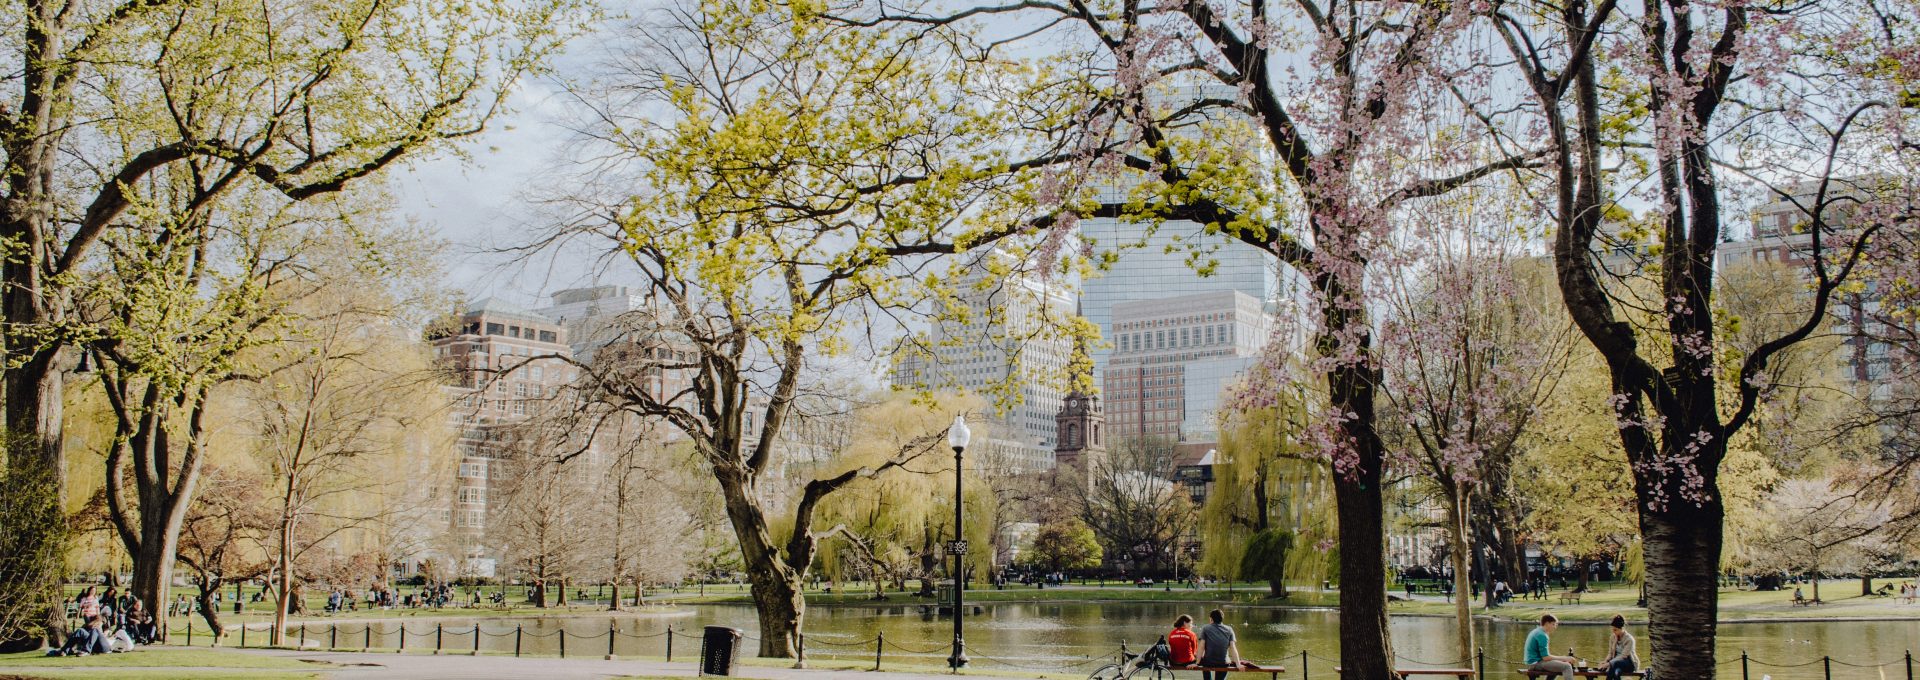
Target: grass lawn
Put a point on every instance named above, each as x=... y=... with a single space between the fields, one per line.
x=147 y=674
x=154 y=656
x=1842 y=600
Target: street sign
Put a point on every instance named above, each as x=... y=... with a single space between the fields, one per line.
x=956 y=547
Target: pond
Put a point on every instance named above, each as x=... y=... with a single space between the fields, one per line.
x=1070 y=637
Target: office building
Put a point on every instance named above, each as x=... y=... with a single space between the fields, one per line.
x=505 y=362
x=1009 y=338
x=1779 y=234
x=1173 y=357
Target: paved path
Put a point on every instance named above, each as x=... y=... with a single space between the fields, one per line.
x=375 y=666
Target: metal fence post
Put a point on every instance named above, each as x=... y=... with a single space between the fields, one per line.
x=243 y=636
x=439 y=633
x=879 y=643
x=190 y=638
x=476 y=638
x=1827 y=663
x=1303 y=664
x=1909 y=656
x=563 y=640
x=1480 y=662
x=610 y=638
x=518 y=628
x=303 y=635
x=366 y=633
x=670 y=642
x=333 y=636
x=1743 y=664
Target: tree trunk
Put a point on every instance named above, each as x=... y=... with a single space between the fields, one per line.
x=153 y=571
x=1366 y=649
x=283 y=586
x=1683 y=561
x=1583 y=564
x=1866 y=585
x=1462 y=580
x=34 y=410
x=781 y=607
x=615 y=606
x=210 y=611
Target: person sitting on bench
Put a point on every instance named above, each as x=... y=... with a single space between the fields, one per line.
x=1182 y=644
x=1219 y=648
x=1621 y=656
x=1538 y=659
x=1798 y=597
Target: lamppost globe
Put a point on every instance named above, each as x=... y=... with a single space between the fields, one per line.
x=958 y=434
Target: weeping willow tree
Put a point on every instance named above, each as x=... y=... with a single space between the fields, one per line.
x=1270 y=516
x=889 y=529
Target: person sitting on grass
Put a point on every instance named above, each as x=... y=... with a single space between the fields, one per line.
x=1539 y=659
x=1183 y=645
x=88 y=639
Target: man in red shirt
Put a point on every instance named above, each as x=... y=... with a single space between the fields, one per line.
x=1182 y=642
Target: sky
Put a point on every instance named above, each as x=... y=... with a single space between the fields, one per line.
x=478 y=203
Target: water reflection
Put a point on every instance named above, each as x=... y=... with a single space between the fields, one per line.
x=1072 y=636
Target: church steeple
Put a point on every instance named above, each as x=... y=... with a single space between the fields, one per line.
x=1080 y=426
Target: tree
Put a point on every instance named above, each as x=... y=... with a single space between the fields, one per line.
x=644 y=514
x=540 y=506
x=1266 y=480
x=143 y=116
x=1680 y=92
x=1824 y=528
x=1132 y=505
x=1266 y=560
x=1470 y=352
x=798 y=184
x=332 y=425
x=1064 y=545
x=30 y=548
x=225 y=537
x=1186 y=106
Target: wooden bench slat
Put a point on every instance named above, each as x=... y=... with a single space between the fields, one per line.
x=1453 y=672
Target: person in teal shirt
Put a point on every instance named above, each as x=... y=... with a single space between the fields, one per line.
x=1539 y=659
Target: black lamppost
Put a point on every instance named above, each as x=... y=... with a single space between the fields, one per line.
x=957 y=436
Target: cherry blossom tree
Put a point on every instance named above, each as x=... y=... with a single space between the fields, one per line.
x=1305 y=130
x=1471 y=348
x=1695 y=109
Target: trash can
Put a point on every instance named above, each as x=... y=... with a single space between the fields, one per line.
x=236 y=606
x=719 y=646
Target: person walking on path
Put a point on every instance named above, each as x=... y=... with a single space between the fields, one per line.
x=1622 y=658
x=1538 y=658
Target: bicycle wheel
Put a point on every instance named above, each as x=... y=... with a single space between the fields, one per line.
x=1148 y=671
x=1108 y=672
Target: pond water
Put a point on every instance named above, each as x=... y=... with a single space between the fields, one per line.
x=1068 y=637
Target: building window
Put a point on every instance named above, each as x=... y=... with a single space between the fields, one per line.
x=549 y=336
x=495 y=329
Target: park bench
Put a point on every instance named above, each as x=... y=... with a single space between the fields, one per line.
x=1461 y=673
x=1570 y=597
x=1803 y=602
x=1273 y=672
x=1585 y=673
